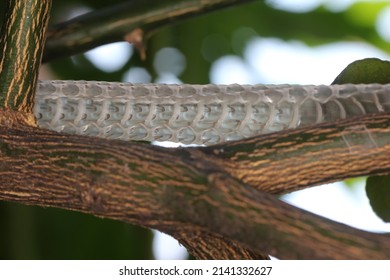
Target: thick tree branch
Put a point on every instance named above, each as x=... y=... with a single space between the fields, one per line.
x=22 y=40
x=190 y=190
x=260 y=221
x=129 y=21
x=23 y=44
x=217 y=198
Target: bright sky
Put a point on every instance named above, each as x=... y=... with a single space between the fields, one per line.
x=270 y=60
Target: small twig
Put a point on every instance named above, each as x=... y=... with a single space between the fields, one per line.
x=130 y=21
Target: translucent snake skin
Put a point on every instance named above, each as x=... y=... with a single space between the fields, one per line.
x=197 y=114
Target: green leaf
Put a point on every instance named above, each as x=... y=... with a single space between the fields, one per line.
x=378 y=192
x=365 y=71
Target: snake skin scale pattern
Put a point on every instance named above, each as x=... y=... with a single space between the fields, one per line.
x=197 y=114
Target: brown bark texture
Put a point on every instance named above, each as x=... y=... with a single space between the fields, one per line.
x=21 y=43
x=220 y=202
x=201 y=194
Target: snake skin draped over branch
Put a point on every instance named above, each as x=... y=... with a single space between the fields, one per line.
x=197 y=114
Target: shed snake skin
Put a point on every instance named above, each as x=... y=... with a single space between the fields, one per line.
x=197 y=114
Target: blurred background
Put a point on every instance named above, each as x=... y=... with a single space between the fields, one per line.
x=275 y=41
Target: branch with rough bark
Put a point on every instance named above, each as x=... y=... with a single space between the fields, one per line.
x=189 y=190
x=218 y=201
x=22 y=40
x=290 y=160
x=16 y=26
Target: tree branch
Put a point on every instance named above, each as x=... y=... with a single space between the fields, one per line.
x=262 y=223
x=290 y=160
x=189 y=194
x=129 y=21
x=32 y=19
x=22 y=46
x=205 y=246
x=190 y=190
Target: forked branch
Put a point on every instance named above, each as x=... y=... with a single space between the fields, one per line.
x=219 y=194
x=190 y=189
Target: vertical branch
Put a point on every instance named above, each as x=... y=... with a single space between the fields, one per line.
x=22 y=41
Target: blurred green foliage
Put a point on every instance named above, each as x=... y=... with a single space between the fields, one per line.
x=36 y=233
x=208 y=37
x=31 y=232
